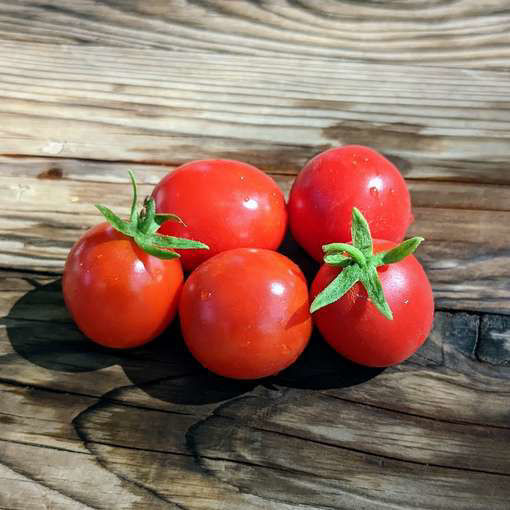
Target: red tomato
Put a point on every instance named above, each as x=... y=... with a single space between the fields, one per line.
x=118 y=295
x=226 y=204
x=356 y=329
x=244 y=313
x=332 y=183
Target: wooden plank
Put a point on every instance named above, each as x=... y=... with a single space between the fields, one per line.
x=425 y=192
x=79 y=479
x=313 y=436
x=149 y=105
x=26 y=493
x=297 y=471
x=462 y=33
x=471 y=246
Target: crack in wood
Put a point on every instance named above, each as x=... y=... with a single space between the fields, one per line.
x=415 y=415
x=86 y=443
x=43 y=483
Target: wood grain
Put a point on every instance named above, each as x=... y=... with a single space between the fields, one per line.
x=185 y=439
x=455 y=33
x=89 y=89
x=470 y=248
x=149 y=105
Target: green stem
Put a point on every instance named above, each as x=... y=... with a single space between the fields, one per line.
x=354 y=252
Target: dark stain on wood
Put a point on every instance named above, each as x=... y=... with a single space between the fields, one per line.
x=277 y=159
x=324 y=104
x=382 y=136
x=494 y=345
x=6 y=419
x=52 y=173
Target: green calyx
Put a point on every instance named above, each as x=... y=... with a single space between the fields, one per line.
x=142 y=227
x=359 y=264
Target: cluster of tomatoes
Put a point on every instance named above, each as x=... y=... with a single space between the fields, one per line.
x=245 y=310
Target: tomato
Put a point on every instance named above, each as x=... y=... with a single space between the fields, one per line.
x=356 y=329
x=121 y=280
x=226 y=204
x=244 y=313
x=332 y=183
x=118 y=295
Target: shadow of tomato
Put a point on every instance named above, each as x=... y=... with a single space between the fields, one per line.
x=41 y=331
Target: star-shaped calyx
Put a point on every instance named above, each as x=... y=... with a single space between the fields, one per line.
x=142 y=227
x=359 y=264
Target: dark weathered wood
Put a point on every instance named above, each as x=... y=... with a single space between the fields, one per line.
x=459 y=32
x=155 y=430
x=495 y=336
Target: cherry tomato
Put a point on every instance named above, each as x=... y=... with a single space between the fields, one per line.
x=226 y=204
x=118 y=295
x=244 y=313
x=356 y=329
x=332 y=183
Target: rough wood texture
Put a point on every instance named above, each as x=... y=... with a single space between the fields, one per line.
x=153 y=105
x=462 y=33
x=89 y=89
x=155 y=430
x=471 y=246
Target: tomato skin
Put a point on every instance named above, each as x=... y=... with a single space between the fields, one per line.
x=244 y=313
x=356 y=329
x=226 y=204
x=118 y=295
x=335 y=181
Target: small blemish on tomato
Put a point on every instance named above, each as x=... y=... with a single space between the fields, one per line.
x=204 y=294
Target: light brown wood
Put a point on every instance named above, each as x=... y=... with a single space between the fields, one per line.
x=467 y=227
x=150 y=105
x=462 y=33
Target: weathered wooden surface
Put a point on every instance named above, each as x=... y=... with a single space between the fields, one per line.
x=90 y=89
x=462 y=33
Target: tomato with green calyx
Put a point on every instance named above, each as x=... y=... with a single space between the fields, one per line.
x=122 y=280
x=244 y=313
x=372 y=301
x=332 y=183
x=227 y=204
